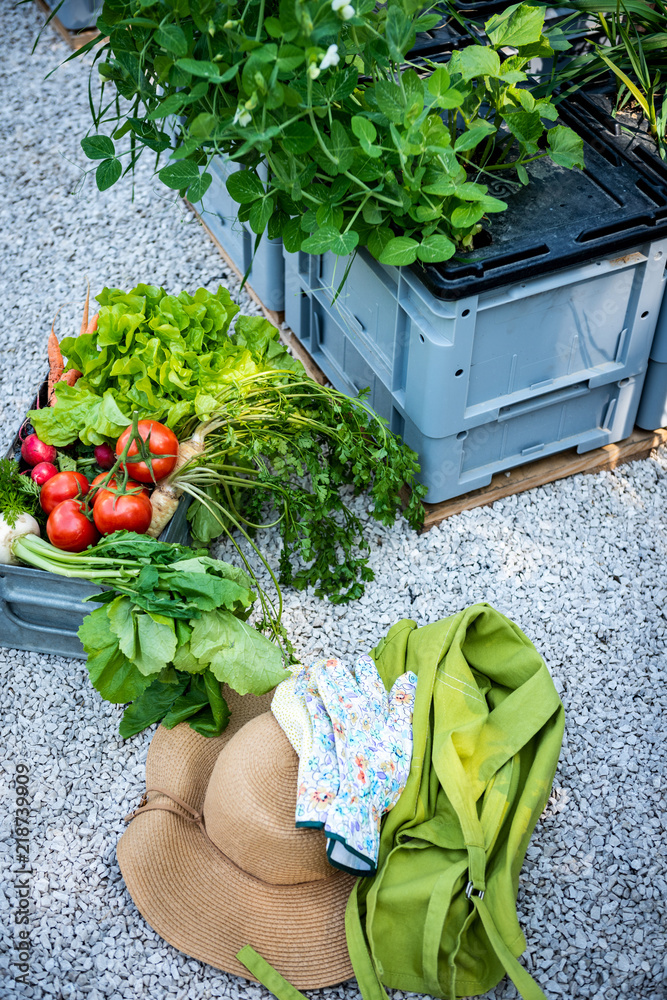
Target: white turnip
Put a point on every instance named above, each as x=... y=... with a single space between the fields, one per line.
x=25 y=525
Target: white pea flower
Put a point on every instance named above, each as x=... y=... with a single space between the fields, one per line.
x=347 y=12
x=242 y=116
x=330 y=57
x=313 y=71
x=337 y=5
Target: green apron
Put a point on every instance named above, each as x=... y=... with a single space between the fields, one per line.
x=439 y=917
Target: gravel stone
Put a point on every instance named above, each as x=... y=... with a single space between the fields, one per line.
x=578 y=564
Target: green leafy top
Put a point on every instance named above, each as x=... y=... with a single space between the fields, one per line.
x=18 y=494
x=158 y=355
x=355 y=151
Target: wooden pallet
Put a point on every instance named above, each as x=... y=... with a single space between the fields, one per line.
x=75 y=39
x=640 y=444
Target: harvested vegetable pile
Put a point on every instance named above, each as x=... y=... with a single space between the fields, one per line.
x=264 y=442
x=172 y=627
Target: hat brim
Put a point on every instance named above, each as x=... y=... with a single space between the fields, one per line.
x=205 y=905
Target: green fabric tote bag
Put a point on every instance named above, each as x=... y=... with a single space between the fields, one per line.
x=439 y=917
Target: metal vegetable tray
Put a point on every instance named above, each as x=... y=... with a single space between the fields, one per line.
x=42 y=612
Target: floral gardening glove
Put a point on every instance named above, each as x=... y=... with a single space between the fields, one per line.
x=300 y=712
x=373 y=736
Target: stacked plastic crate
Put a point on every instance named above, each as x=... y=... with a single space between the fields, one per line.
x=532 y=344
x=591 y=114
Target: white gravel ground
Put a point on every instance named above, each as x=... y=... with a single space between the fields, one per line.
x=580 y=565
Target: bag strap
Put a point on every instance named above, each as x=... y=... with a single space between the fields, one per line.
x=264 y=973
x=521 y=978
x=361 y=956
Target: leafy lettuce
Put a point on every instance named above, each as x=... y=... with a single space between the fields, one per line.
x=167 y=357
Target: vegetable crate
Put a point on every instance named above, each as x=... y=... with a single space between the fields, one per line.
x=42 y=612
x=535 y=343
x=77 y=14
x=264 y=265
x=591 y=114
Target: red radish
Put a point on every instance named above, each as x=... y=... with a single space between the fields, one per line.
x=43 y=472
x=104 y=456
x=34 y=451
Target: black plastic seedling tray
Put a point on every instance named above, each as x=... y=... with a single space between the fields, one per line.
x=561 y=219
x=441 y=41
x=591 y=112
x=42 y=612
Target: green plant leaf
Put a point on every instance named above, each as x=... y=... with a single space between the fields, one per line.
x=180 y=174
x=363 y=128
x=200 y=67
x=237 y=653
x=298 y=138
x=436 y=248
x=378 y=240
x=399 y=251
x=477 y=60
x=172 y=38
x=108 y=173
x=390 y=101
x=290 y=57
x=329 y=238
x=199 y=187
x=152 y=705
x=477 y=132
x=203 y=125
x=467 y=215
x=517 y=25
x=525 y=125
x=293 y=235
x=98 y=147
x=260 y=213
x=566 y=148
x=111 y=673
x=245 y=186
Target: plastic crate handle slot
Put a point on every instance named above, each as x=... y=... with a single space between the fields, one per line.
x=530 y=405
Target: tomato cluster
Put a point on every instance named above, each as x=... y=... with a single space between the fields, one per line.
x=79 y=511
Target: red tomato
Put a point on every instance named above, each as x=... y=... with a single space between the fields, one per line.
x=68 y=527
x=131 y=488
x=163 y=449
x=132 y=512
x=62 y=486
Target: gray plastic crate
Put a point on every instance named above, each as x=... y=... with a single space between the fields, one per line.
x=452 y=366
x=220 y=213
x=652 y=411
x=588 y=376
x=77 y=14
x=40 y=611
x=576 y=417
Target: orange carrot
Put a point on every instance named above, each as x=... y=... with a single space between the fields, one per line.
x=92 y=326
x=71 y=377
x=84 y=321
x=56 y=364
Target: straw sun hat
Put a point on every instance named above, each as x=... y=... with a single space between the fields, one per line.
x=217 y=863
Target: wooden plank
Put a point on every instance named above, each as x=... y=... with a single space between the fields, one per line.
x=275 y=318
x=75 y=39
x=547 y=470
